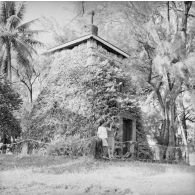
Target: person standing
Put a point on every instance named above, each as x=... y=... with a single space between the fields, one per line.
x=103 y=135
x=111 y=141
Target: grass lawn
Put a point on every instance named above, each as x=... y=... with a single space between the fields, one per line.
x=58 y=175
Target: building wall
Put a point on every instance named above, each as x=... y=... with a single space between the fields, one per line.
x=63 y=87
x=96 y=51
x=76 y=62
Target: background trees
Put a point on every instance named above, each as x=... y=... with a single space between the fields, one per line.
x=27 y=76
x=163 y=58
x=16 y=49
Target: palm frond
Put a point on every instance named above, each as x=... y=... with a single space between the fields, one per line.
x=19 y=35
x=7 y=35
x=3 y=12
x=1 y=44
x=26 y=25
x=11 y=8
x=33 y=42
x=4 y=65
x=2 y=27
x=21 y=10
x=8 y=9
x=22 y=60
x=29 y=71
x=12 y=21
x=2 y=57
x=33 y=32
x=22 y=46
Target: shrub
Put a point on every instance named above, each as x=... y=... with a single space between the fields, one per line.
x=70 y=146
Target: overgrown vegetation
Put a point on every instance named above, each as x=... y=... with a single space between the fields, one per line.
x=77 y=97
x=68 y=97
x=10 y=102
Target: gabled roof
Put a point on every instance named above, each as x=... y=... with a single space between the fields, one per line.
x=105 y=44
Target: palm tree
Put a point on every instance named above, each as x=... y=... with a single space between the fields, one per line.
x=15 y=37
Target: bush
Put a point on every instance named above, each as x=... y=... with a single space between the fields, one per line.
x=70 y=146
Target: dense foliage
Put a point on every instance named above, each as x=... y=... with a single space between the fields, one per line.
x=163 y=63
x=9 y=102
x=77 y=96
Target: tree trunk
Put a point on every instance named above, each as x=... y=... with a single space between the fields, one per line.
x=4 y=140
x=186 y=146
x=31 y=93
x=8 y=55
x=187 y=6
x=167 y=124
x=172 y=131
x=168 y=17
x=184 y=130
x=183 y=122
x=170 y=152
x=14 y=140
x=168 y=131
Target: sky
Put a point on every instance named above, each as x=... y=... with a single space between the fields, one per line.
x=62 y=12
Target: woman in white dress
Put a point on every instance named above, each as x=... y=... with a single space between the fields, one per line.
x=103 y=135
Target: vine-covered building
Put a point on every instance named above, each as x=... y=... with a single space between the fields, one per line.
x=93 y=47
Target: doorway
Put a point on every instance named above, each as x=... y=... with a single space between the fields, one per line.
x=127 y=133
x=127 y=129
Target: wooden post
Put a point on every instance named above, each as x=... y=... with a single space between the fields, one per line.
x=134 y=130
x=92 y=16
x=24 y=149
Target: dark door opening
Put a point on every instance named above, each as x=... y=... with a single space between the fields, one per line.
x=127 y=133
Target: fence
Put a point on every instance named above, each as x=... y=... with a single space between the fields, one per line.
x=178 y=154
x=154 y=153
x=127 y=149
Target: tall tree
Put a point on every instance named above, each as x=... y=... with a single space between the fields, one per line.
x=162 y=57
x=15 y=36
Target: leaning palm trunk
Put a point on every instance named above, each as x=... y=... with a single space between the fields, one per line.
x=6 y=62
x=8 y=57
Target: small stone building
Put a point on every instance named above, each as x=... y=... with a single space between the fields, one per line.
x=95 y=46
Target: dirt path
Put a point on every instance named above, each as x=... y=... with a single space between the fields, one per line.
x=89 y=177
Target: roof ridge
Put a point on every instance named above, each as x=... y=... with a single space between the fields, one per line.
x=84 y=38
x=68 y=41
x=111 y=44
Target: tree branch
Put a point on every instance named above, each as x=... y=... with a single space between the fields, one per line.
x=21 y=78
x=191 y=15
x=37 y=75
x=177 y=18
x=191 y=119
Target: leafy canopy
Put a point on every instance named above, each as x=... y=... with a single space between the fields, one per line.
x=15 y=36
